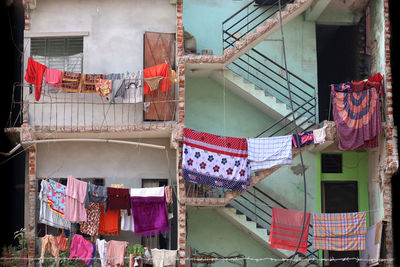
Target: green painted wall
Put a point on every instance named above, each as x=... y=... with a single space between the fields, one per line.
x=211 y=108
x=210 y=232
x=355 y=168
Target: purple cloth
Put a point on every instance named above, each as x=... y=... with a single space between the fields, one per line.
x=357 y=114
x=150 y=215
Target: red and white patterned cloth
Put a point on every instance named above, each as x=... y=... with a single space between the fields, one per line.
x=215 y=160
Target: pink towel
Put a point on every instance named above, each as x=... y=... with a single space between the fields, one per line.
x=81 y=249
x=53 y=77
x=75 y=200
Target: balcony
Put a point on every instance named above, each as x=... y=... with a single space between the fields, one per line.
x=67 y=112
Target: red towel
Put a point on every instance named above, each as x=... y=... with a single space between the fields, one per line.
x=34 y=75
x=286 y=229
x=158 y=70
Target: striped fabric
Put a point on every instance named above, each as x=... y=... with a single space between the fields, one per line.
x=214 y=160
x=339 y=231
x=286 y=229
x=267 y=152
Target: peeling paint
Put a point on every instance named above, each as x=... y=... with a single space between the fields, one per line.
x=297 y=169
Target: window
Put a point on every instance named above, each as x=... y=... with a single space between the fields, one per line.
x=331 y=163
x=59 y=53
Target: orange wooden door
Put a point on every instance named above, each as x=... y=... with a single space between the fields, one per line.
x=159 y=48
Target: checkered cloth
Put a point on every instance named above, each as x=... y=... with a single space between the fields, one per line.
x=339 y=231
x=267 y=152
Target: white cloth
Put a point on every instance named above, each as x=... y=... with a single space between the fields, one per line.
x=319 y=135
x=372 y=246
x=126 y=221
x=101 y=246
x=267 y=152
x=134 y=93
x=46 y=215
x=147 y=192
x=163 y=257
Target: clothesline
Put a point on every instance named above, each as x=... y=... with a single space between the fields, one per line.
x=222 y=259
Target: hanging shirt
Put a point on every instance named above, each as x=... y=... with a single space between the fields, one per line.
x=34 y=75
x=75 y=200
x=163 y=257
x=116 y=252
x=46 y=215
x=56 y=197
x=96 y=193
x=371 y=255
x=267 y=152
x=339 y=231
x=81 y=249
x=215 y=160
x=49 y=244
x=286 y=228
x=101 y=246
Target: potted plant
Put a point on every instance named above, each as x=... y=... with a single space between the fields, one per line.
x=16 y=255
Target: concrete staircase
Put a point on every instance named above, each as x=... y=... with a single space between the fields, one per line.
x=248 y=41
x=258 y=97
x=257 y=232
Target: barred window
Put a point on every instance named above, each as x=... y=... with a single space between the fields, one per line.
x=59 y=53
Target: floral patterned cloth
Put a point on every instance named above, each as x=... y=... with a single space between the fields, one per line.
x=305 y=139
x=56 y=197
x=103 y=87
x=218 y=161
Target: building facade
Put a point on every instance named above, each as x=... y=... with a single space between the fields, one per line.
x=243 y=69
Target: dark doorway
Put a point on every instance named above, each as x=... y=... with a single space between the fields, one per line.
x=336 y=58
x=338 y=197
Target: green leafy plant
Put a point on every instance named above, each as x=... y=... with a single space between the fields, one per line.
x=16 y=255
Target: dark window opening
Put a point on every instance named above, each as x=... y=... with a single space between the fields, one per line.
x=332 y=163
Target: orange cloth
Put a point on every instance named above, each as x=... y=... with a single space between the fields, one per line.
x=109 y=222
x=158 y=70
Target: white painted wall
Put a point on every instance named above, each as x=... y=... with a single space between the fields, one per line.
x=113 y=43
x=115 y=28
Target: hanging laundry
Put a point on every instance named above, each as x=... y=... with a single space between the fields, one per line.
x=339 y=231
x=357 y=114
x=96 y=193
x=91 y=225
x=46 y=214
x=156 y=77
x=75 y=200
x=56 y=197
x=304 y=139
x=53 y=77
x=134 y=89
x=62 y=242
x=82 y=249
x=371 y=255
x=127 y=222
x=118 y=198
x=168 y=194
x=116 y=252
x=319 y=135
x=103 y=87
x=101 y=246
x=267 y=152
x=34 y=75
x=379 y=79
x=214 y=160
x=147 y=192
x=89 y=82
x=49 y=244
x=114 y=76
x=163 y=257
x=150 y=214
x=109 y=222
x=286 y=228
x=71 y=82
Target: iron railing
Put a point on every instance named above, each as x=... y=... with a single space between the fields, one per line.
x=59 y=110
x=257 y=206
